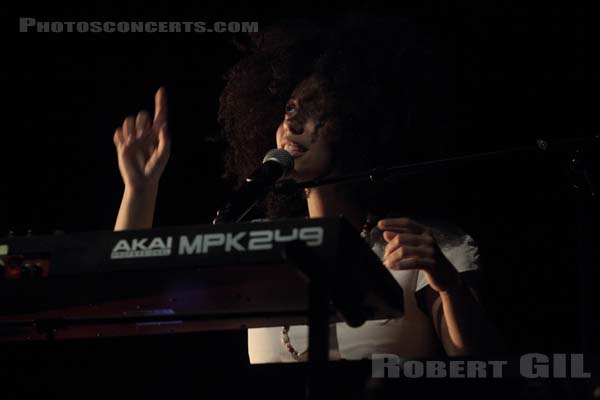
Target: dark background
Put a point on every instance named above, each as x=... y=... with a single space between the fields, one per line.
x=520 y=73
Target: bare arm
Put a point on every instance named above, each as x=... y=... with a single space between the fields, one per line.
x=460 y=321
x=143 y=148
x=137 y=208
x=452 y=305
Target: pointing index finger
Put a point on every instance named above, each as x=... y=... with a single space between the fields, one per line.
x=160 y=107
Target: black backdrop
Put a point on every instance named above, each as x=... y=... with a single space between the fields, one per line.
x=520 y=73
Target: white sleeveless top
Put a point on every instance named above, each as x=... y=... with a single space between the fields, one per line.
x=413 y=335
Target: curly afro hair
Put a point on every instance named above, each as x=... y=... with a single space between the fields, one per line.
x=382 y=72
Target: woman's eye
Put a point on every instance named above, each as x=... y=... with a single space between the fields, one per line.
x=290 y=108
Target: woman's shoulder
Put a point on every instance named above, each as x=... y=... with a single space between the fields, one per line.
x=448 y=233
x=457 y=245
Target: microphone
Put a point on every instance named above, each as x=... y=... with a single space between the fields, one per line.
x=276 y=164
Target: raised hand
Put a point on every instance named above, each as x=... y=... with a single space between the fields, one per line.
x=143 y=146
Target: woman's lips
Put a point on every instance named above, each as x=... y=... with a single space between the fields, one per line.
x=294 y=149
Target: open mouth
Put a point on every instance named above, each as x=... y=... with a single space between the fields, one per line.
x=294 y=149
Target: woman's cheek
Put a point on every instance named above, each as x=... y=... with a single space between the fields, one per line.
x=279 y=135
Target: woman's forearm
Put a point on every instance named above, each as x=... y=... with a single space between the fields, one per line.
x=137 y=209
x=463 y=326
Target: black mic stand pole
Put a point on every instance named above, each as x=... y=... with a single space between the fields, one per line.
x=378 y=174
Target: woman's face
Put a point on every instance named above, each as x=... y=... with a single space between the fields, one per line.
x=307 y=131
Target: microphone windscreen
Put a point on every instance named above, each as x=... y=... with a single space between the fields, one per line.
x=282 y=158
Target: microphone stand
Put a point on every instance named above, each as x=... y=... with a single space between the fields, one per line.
x=379 y=174
x=584 y=164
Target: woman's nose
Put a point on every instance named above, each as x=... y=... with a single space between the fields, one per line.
x=294 y=125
